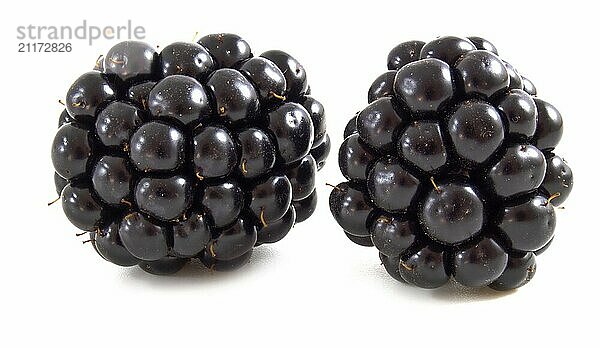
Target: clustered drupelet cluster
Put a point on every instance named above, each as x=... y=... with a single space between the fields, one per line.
x=200 y=151
x=451 y=168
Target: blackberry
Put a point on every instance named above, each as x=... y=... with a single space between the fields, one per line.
x=200 y=151
x=451 y=171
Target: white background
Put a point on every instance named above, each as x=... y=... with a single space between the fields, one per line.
x=315 y=287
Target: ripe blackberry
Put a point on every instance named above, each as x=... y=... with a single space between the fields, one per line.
x=451 y=168
x=199 y=151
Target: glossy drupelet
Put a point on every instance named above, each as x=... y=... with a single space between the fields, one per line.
x=451 y=168
x=200 y=151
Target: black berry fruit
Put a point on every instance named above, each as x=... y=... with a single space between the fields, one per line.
x=89 y=93
x=404 y=53
x=81 y=207
x=451 y=168
x=424 y=86
x=350 y=126
x=277 y=230
x=293 y=129
x=64 y=118
x=383 y=86
x=267 y=77
x=373 y=122
x=181 y=98
x=163 y=198
x=258 y=152
x=143 y=238
x=200 y=151
x=117 y=122
x=305 y=207
x=111 y=179
x=157 y=146
x=164 y=266
x=451 y=213
x=236 y=99
x=186 y=58
x=293 y=71
x=227 y=50
x=109 y=246
x=321 y=152
x=447 y=48
x=132 y=61
x=215 y=152
x=519 y=270
x=71 y=150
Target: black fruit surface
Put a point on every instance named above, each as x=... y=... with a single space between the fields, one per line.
x=179 y=97
x=519 y=270
x=142 y=238
x=258 y=152
x=227 y=50
x=278 y=229
x=111 y=179
x=117 y=122
x=268 y=79
x=235 y=97
x=293 y=129
x=157 y=146
x=451 y=213
x=293 y=71
x=71 y=150
x=379 y=123
x=90 y=92
x=132 y=60
x=81 y=207
x=321 y=152
x=404 y=53
x=305 y=207
x=451 y=169
x=163 y=198
x=425 y=85
x=186 y=58
x=215 y=152
x=383 y=86
x=164 y=266
x=447 y=48
x=199 y=151
x=109 y=246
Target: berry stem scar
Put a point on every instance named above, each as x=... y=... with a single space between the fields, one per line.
x=406 y=266
x=98 y=60
x=335 y=187
x=211 y=249
x=435 y=186
x=553 y=196
x=116 y=61
x=277 y=96
x=244 y=170
x=384 y=220
x=262 y=217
